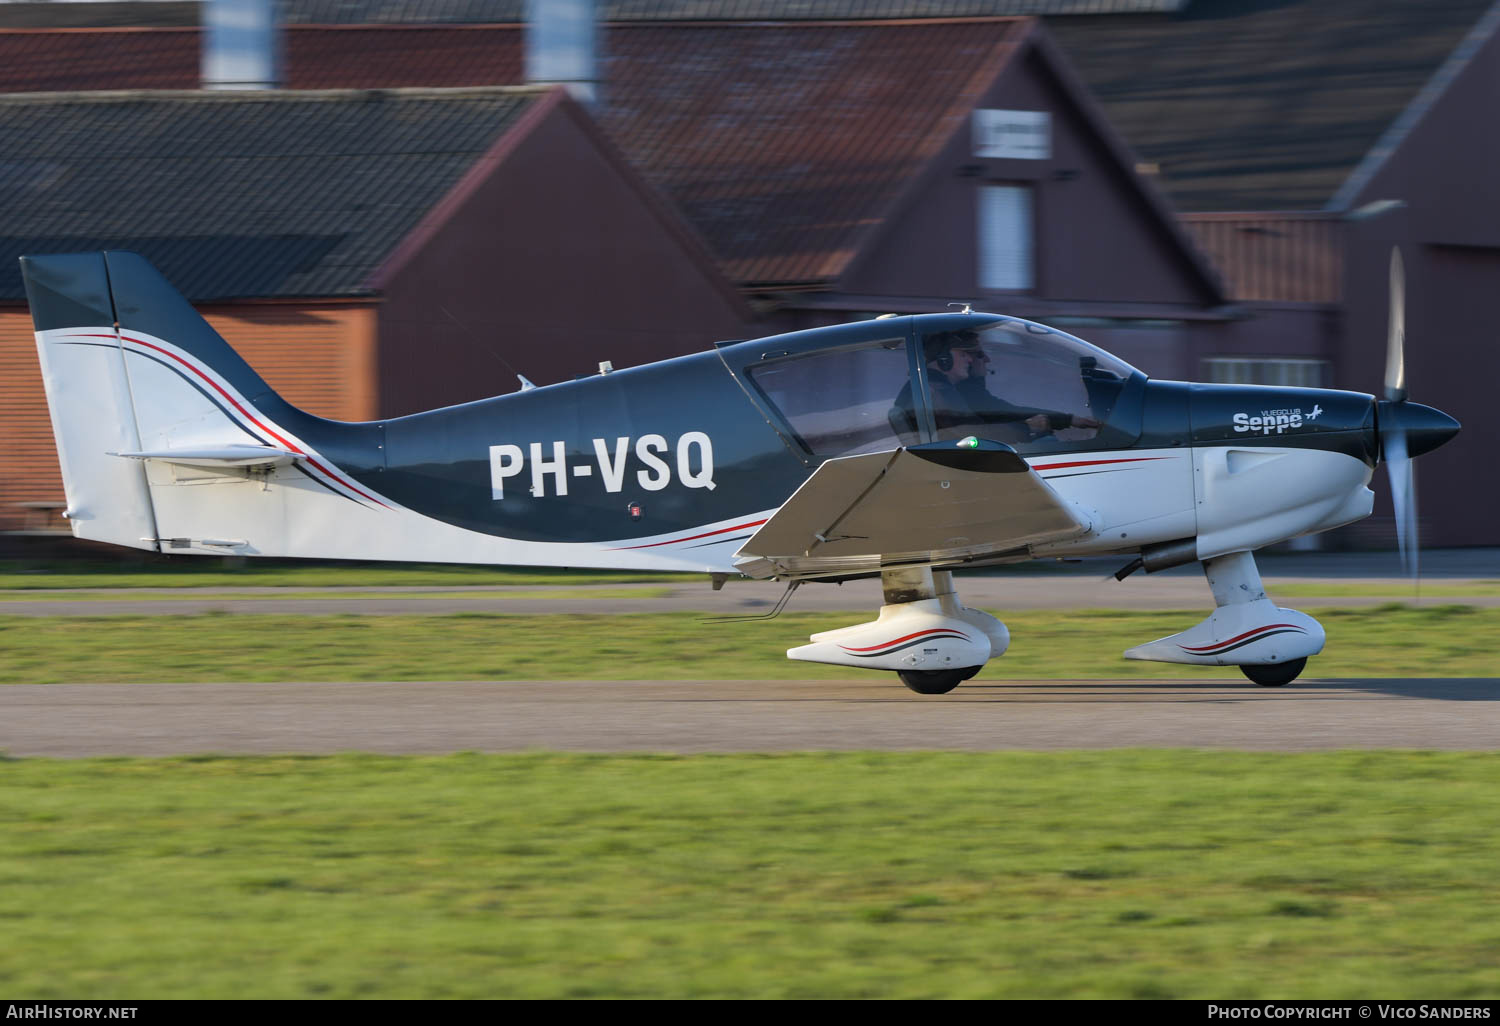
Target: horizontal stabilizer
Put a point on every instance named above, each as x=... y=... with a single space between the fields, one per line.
x=939 y=502
x=220 y=456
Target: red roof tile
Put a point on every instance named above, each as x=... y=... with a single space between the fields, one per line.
x=783 y=143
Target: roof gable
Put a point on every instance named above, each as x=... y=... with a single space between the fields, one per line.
x=238 y=194
x=1263 y=104
x=1255 y=104
x=786 y=145
x=1034 y=75
x=782 y=143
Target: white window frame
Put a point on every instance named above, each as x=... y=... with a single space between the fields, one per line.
x=1005 y=226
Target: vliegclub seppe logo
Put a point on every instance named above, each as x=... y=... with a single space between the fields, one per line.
x=1276 y=421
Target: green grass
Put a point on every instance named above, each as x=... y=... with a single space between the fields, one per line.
x=1363 y=589
x=537 y=594
x=208 y=572
x=856 y=875
x=1382 y=641
x=153 y=571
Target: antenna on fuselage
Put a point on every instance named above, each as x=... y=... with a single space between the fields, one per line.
x=526 y=384
x=967 y=307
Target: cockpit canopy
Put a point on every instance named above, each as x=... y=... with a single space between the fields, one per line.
x=883 y=384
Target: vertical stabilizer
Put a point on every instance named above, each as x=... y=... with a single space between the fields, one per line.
x=169 y=440
x=88 y=394
x=150 y=307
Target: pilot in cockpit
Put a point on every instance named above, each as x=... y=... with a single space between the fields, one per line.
x=957 y=373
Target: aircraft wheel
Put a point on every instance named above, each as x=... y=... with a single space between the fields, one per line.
x=1273 y=675
x=971 y=672
x=935 y=682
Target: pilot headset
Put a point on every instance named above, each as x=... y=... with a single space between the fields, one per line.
x=948 y=341
x=943 y=360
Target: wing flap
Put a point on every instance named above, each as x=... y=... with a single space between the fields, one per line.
x=931 y=503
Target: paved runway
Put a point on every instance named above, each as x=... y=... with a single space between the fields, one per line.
x=69 y=720
x=1220 y=711
x=741 y=598
x=1085 y=584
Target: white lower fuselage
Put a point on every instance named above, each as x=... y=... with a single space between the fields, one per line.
x=1231 y=499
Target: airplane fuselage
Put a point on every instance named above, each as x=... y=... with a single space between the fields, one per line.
x=674 y=464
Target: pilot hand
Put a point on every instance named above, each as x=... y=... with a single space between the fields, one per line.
x=1039 y=423
x=1085 y=422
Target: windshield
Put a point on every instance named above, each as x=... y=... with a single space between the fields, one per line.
x=1026 y=385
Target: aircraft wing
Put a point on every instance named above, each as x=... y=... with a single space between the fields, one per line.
x=938 y=503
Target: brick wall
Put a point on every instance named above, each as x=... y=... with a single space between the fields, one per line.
x=319 y=357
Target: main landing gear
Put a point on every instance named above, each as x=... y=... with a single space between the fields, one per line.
x=935 y=682
x=932 y=641
x=1269 y=644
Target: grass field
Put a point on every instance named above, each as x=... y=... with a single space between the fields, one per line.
x=567 y=589
x=557 y=591
x=1381 y=641
x=1102 y=874
x=1118 y=874
x=198 y=572
x=1437 y=588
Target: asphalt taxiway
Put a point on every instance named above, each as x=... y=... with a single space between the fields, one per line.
x=1220 y=710
x=72 y=720
x=1320 y=580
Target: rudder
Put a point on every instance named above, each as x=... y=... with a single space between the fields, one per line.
x=88 y=395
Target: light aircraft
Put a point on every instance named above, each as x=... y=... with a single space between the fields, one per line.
x=902 y=446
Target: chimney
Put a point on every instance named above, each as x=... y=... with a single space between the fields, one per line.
x=562 y=46
x=241 y=45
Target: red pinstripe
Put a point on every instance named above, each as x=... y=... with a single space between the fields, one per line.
x=691 y=537
x=1238 y=637
x=245 y=413
x=896 y=641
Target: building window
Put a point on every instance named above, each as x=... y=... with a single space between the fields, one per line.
x=1237 y=370
x=1006 y=248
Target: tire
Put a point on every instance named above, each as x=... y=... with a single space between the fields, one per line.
x=1274 y=675
x=933 y=682
x=970 y=672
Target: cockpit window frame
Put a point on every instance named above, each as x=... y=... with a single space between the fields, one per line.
x=740 y=357
x=889 y=340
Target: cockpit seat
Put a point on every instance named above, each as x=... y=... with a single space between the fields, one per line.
x=903 y=421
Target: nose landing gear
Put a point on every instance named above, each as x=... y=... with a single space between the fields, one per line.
x=1274 y=675
x=1269 y=644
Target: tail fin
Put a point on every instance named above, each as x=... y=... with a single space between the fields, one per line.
x=88 y=393
x=146 y=397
